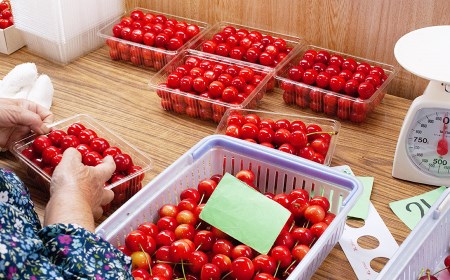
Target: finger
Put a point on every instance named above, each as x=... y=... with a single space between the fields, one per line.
x=107 y=197
x=70 y=156
x=18 y=133
x=45 y=115
x=24 y=117
x=105 y=169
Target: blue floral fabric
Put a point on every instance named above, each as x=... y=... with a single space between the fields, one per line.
x=59 y=251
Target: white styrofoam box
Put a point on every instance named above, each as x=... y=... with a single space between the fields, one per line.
x=61 y=20
x=275 y=172
x=10 y=40
x=70 y=50
x=425 y=247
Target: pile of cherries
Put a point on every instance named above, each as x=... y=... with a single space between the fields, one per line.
x=181 y=246
x=352 y=81
x=293 y=137
x=152 y=30
x=214 y=83
x=6 y=17
x=251 y=46
x=46 y=153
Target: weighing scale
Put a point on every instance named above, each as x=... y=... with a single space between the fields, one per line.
x=422 y=154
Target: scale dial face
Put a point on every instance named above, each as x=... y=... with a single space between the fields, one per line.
x=427 y=143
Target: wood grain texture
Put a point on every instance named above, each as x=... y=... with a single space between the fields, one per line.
x=362 y=28
x=116 y=94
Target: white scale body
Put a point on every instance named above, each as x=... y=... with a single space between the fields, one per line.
x=422 y=154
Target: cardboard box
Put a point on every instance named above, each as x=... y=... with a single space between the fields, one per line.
x=10 y=40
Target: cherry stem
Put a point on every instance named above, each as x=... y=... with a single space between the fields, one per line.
x=276 y=270
x=225 y=276
x=441 y=270
x=292 y=263
x=292 y=226
x=201 y=198
x=182 y=263
x=198 y=247
x=322 y=132
x=182 y=269
x=199 y=224
x=146 y=259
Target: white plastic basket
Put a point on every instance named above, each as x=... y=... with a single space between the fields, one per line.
x=275 y=173
x=425 y=247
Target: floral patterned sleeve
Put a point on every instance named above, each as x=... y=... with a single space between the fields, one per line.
x=59 y=251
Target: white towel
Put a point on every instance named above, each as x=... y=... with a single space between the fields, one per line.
x=24 y=82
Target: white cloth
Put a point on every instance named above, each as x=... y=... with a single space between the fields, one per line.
x=25 y=82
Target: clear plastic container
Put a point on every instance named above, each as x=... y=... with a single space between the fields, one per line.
x=143 y=55
x=331 y=127
x=64 y=53
x=425 y=247
x=325 y=101
x=277 y=173
x=197 y=106
x=61 y=20
x=296 y=43
x=122 y=192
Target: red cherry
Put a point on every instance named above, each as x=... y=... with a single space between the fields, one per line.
x=246 y=176
x=281 y=255
x=265 y=264
x=210 y=271
x=243 y=268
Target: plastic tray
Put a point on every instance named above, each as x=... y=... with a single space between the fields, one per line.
x=327 y=125
x=201 y=107
x=62 y=20
x=425 y=247
x=296 y=43
x=276 y=173
x=337 y=105
x=42 y=179
x=64 y=52
x=146 y=56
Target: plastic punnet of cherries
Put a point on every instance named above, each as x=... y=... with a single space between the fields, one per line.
x=6 y=17
x=179 y=245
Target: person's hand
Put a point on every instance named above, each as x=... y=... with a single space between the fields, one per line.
x=18 y=117
x=77 y=191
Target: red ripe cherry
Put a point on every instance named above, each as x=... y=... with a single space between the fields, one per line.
x=233 y=131
x=111 y=151
x=223 y=49
x=210 y=271
x=298 y=207
x=200 y=84
x=287 y=148
x=314 y=213
x=296 y=73
x=190 y=193
x=140 y=260
x=185 y=231
x=320 y=145
x=335 y=59
x=241 y=250
x=322 y=57
x=374 y=79
x=163 y=270
x=181 y=250
x=366 y=90
x=299 y=193
x=349 y=64
x=300 y=251
x=148 y=228
x=298 y=139
x=165 y=238
x=236 y=119
x=252 y=54
x=69 y=141
x=223 y=262
x=83 y=149
x=92 y=158
x=447 y=263
x=237 y=53
x=246 y=176
x=265 y=264
x=323 y=79
x=282 y=199
x=55 y=136
x=186 y=217
x=169 y=210
x=266 y=59
x=134 y=240
x=75 y=129
x=40 y=143
x=265 y=135
x=281 y=255
x=209 y=46
x=337 y=83
x=318 y=229
x=334 y=70
x=175 y=43
x=86 y=136
x=306 y=152
x=309 y=76
x=267 y=123
x=249 y=131
x=192 y=30
x=321 y=201
x=222 y=246
x=281 y=136
x=204 y=240
x=206 y=188
x=229 y=94
x=242 y=268
x=264 y=276
x=123 y=162
x=49 y=153
x=302 y=235
x=99 y=144
x=285 y=239
x=329 y=217
x=346 y=74
x=196 y=260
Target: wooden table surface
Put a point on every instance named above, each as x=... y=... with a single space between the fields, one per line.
x=117 y=95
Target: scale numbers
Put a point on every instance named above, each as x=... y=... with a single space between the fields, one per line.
x=428 y=140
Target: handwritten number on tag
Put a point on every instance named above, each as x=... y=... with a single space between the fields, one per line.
x=419 y=205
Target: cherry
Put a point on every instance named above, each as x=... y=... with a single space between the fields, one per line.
x=265 y=264
x=210 y=271
x=242 y=268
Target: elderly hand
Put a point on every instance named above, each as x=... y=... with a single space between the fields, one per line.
x=18 y=117
x=77 y=191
